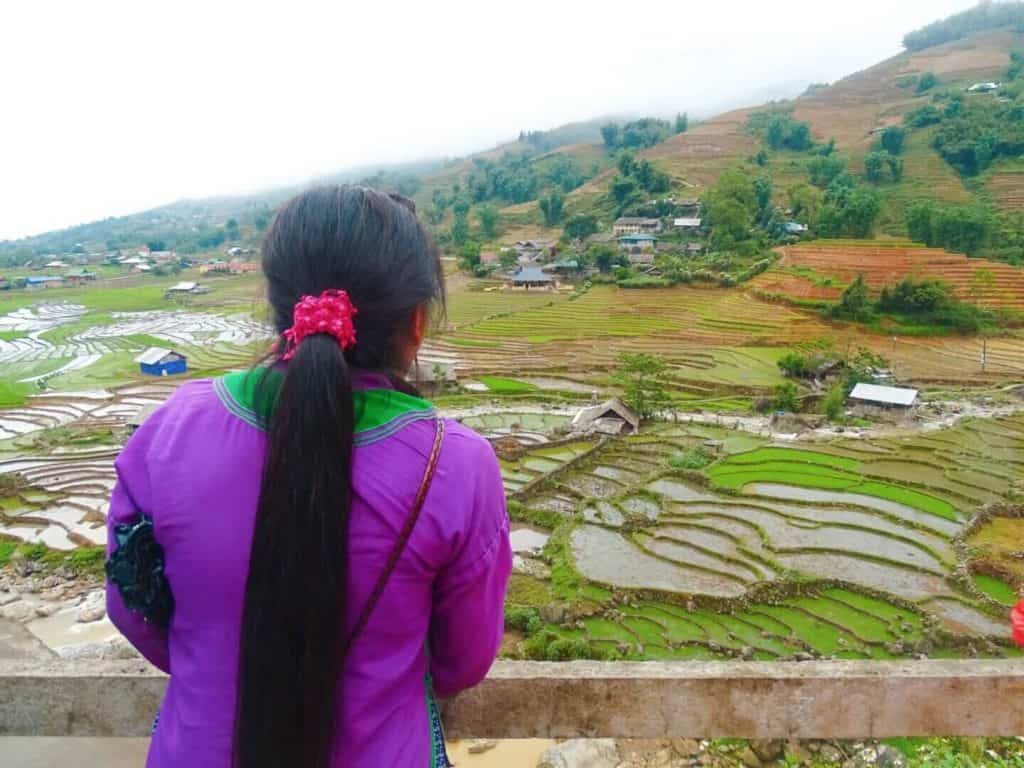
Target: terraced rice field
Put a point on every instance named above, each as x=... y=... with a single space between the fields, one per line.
x=884 y=266
x=842 y=548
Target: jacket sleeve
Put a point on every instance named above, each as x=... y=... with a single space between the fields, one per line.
x=467 y=619
x=131 y=497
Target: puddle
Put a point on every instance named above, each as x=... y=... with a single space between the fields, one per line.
x=678 y=491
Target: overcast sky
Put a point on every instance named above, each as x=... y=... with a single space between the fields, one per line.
x=114 y=107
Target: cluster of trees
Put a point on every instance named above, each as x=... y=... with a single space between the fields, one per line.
x=638 y=134
x=848 y=209
x=734 y=205
x=886 y=159
x=407 y=184
x=928 y=301
x=551 y=207
x=960 y=228
x=636 y=178
x=779 y=130
x=986 y=15
x=848 y=371
x=972 y=134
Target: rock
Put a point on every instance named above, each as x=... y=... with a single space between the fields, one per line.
x=803 y=656
x=65 y=572
x=47 y=609
x=114 y=649
x=795 y=751
x=552 y=613
x=746 y=653
x=686 y=747
x=30 y=586
x=478 y=746
x=25 y=567
x=529 y=566
x=49 y=582
x=19 y=611
x=749 y=758
x=92 y=608
x=581 y=753
x=6 y=598
x=830 y=754
x=767 y=749
x=54 y=595
x=877 y=756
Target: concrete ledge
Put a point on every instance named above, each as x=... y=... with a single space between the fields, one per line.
x=841 y=699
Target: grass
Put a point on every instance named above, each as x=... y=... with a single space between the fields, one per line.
x=12 y=335
x=504 y=386
x=998 y=590
x=14 y=394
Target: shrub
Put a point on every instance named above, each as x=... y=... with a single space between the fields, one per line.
x=926 y=82
x=832 y=405
x=522 y=617
x=786 y=397
x=794 y=365
x=695 y=458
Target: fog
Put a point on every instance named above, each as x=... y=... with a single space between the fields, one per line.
x=115 y=107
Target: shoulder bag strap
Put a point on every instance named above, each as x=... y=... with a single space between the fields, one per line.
x=403 y=539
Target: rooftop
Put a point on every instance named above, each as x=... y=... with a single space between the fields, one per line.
x=531 y=275
x=638 y=236
x=153 y=355
x=876 y=393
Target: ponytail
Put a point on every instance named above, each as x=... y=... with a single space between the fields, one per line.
x=289 y=664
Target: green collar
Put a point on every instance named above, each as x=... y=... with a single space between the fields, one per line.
x=380 y=412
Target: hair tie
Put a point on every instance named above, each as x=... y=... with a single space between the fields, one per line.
x=331 y=312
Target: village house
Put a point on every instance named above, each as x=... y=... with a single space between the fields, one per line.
x=163 y=257
x=983 y=88
x=237 y=250
x=532 y=277
x=687 y=223
x=43 y=281
x=214 y=266
x=490 y=259
x=56 y=264
x=794 y=228
x=694 y=249
x=562 y=267
x=889 y=403
x=5 y=284
x=143 y=268
x=640 y=258
x=182 y=289
x=612 y=417
x=131 y=261
x=637 y=243
x=157 y=361
x=629 y=225
x=533 y=251
x=239 y=267
x=79 y=276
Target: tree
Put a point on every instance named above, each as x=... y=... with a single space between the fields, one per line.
x=835 y=399
x=508 y=258
x=156 y=245
x=622 y=189
x=581 y=226
x=859 y=213
x=551 y=207
x=855 y=302
x=794 y=365
x=626 y=164
x=682 y=122
x=895 y=167
x=460 y=229
x=982 y=282
x=805 y=202
x=926 y=82
x=786 y=397
x=469 y=256
x=639 y=375
x=729 y=208
x=823 y=170
x=874 y=164
x=604 y=257
x=610 y=134
x=488 y=216
x=892 y=139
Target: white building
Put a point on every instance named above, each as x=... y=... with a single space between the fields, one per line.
x=889 y=397
x=687 y=222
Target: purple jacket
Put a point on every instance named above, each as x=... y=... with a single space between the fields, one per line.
x=194 y=467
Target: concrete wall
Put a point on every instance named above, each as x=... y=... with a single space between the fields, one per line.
x=853 y=699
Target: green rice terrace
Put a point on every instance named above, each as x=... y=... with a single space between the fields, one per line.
x=847 y=548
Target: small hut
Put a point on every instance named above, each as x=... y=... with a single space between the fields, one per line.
x=157 y=361
x=612 y=417
x=532 y=277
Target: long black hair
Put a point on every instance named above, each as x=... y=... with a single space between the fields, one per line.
x=371 y=245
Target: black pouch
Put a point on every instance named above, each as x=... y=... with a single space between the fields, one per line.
x=136 y=567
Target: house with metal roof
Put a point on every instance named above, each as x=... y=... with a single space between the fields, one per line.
x=157 y=361
x=687 y=222
x=532 y=277
x=636 y=242
x=628 y=225
x=882 y=396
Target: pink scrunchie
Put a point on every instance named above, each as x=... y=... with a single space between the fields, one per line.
x=1017 y=618
x=331 y=312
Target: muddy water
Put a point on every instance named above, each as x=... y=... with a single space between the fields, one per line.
x=963 y=619
x=607 y=557
x=677 y=491
x=887 y=578
x=934 y=522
